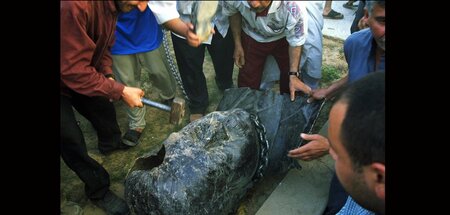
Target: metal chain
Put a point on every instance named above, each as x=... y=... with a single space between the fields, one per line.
x=263 y=155
x=172 y=65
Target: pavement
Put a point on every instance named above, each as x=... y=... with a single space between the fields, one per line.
x=339 y=28
x=305 y=191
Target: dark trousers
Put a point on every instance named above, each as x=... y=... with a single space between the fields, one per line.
x=336 y=197
x=101 y=113
x=255 y=54
x=190 y=63
x=358 y=15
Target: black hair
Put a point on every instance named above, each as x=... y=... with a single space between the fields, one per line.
x=363 y=128
x=369 y=5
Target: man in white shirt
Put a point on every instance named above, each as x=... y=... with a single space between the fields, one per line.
x=311 y=56
x=262 y=28
x=190 y=58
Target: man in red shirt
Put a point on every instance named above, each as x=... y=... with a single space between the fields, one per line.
x=88 y=85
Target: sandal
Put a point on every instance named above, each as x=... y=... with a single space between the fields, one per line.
x=348 y=5
x=333 y=15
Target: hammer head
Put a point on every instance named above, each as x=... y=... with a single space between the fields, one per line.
x=177 y=110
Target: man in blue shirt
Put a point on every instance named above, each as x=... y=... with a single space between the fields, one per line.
x=137 y=49
x=357 y=144
x=364 y=51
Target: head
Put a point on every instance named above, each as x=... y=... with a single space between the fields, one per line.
x=374 y=13
x=259 y=6
x=356 y=134
x=127 y=6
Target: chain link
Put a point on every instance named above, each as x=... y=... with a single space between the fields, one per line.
x=172 y=65
x=264 y=145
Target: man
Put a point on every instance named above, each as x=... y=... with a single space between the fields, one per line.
x=311 y=56
x=190 y=57
x=87 y=84
x=263 y=28
x=357 y=140
x=137 y=49
x=364 y=51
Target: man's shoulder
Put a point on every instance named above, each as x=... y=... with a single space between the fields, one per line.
x=359 y=38
x=74 y=4
x=294 y=8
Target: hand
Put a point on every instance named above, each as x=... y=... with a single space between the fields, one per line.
x=317 y=147
x=192 y=38
x=317 y=95
x=362 y=23
x=238 y=56
x=132 y=96
x=111 y=78
x=295 y=84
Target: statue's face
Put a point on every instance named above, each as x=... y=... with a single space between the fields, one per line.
x=218 y=135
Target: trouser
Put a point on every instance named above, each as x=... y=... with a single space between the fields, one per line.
x=101 y=113
x=128 y=68
x=190 y=63
x=358 y=15
x=271 y=74
x=255 y=54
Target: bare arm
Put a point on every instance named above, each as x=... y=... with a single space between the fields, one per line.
x=184 y=29
x=329 y=91
x=294 y=82
x=236 y=28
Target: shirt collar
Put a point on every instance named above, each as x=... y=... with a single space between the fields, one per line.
x=273 y=7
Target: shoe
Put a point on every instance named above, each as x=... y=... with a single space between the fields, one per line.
x=349 y=5
x=112 y=204
x=333 y=15
x=131 y=138
x=195 y=116
x=222 y=87
x=109 y=151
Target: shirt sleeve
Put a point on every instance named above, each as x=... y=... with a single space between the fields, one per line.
x=297 y=24
x=164 y=10
x=77 y=49
x=229 y=8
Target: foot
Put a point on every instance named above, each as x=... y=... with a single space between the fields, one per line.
x=131 y=138
x=112 y=204
x=348 y=5
x=195 y=116
x=333 y=15
x=107 y=152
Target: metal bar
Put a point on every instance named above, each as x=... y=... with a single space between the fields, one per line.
x=155 y=104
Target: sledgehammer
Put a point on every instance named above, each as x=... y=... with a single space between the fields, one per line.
x=176 y=110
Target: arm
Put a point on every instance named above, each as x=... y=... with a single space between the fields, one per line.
x=166 y=14
x=296 y=37
x=77 y=49
x=184 y=29
x=294 y=82
x=329 y=91
x=236 y=28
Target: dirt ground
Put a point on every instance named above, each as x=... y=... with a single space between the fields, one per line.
x=73 y=200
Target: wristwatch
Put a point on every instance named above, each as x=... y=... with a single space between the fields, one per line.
x=294 y=73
